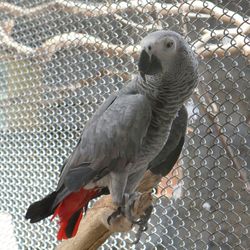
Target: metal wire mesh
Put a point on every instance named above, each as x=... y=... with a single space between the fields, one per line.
x=61 y=59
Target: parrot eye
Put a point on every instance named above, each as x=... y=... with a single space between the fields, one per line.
x=149 y=47
x=169 y=44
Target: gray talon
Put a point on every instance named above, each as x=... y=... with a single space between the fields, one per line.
x=129 y=205
x=114 y=214
x=143 y=224
x=126 y=210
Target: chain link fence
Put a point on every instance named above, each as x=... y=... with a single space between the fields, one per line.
x=60 y=59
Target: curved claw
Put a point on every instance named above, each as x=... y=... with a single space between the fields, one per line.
x=138 y=222
x=129 y=203
x=144 y=219
x=144 y=228
x=143 y=224
x=126 y=210
x=114 y=214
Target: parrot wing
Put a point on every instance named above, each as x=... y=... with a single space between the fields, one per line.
x=163 y=163
x=95 y=116
x=111 y=139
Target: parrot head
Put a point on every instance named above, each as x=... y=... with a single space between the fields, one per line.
x=160 y=50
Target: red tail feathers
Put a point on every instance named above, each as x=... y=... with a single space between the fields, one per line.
x=70 y=209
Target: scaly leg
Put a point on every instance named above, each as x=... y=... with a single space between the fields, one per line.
x=117 y=185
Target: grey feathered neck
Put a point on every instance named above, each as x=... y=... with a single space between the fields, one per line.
x=150 y=85
x=168 y=91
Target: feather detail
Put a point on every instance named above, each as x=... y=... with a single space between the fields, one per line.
x=70 y=211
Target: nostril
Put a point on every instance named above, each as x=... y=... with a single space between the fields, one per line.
x=149 y=47
x=169 y=44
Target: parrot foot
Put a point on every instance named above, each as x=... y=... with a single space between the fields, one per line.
x=129 y=204
x=128 y=209
x=125 y=208
x=143 y=224
x=114 y=215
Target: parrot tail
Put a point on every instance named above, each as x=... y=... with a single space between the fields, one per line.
x=41 y=209
x=70 y=211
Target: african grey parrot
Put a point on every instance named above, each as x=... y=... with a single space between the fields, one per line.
x=125 y=134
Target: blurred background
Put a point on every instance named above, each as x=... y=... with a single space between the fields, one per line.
x=60 y=59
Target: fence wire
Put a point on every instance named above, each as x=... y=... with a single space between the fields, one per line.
x=60 y=59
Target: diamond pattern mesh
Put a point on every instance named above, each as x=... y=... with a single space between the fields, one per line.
x=60 y=59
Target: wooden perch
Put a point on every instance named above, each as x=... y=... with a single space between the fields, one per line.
x=94 y=229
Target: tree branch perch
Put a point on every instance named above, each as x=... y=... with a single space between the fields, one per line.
x=94 y=230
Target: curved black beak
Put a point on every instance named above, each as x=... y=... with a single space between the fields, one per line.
x=149 y=65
